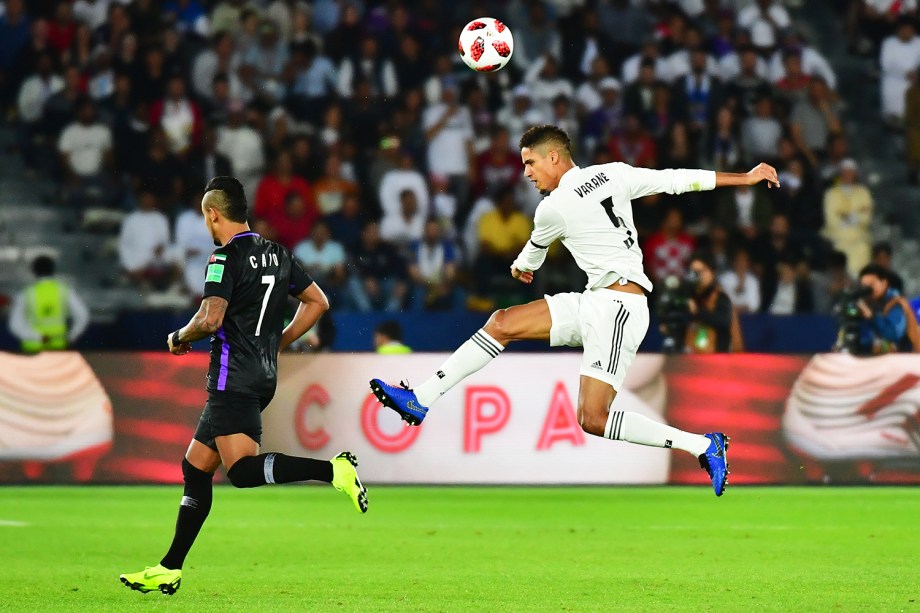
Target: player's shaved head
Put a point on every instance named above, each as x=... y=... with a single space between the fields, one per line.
x=547 y=138
x=226 y=196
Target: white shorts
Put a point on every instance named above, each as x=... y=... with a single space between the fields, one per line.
x=609 y=324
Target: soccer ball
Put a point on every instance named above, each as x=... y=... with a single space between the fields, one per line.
x=486 y=44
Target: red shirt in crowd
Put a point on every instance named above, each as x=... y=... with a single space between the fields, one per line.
x=269 y=205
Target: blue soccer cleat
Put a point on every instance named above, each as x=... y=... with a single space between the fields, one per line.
x=715 y=461
x=400 y=399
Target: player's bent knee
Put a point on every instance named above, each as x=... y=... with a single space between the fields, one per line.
x=247 y=472
x=496 y=327
x=592 y=421
x=192 y=474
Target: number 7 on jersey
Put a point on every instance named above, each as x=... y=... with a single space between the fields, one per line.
x=270 y=281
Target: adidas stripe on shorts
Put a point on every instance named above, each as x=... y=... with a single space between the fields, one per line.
x=608 y=324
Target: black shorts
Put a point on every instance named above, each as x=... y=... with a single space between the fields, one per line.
x=231 y=413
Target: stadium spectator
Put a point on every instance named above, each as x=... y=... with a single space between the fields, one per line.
x=743 y=210
x=39 y=313
x=322 y=257
x=346 y=223
x=406 y=225
x=900 y=56
x=520 y=114
x=194 y=245
x=221 y=57
x=765 y=19
x=449 y=132
x=881 y=256
x=771 y=247
x=160 y=171
x=792 y=87
x=34 y=93
x=639 y=95
x=14 y=35
x=912 y=128
x=404 y=176
x=830 y=285
x=740 y=283
x=189 y=14
x=144 y=244
x=847 y=217
x=538 y=36
x=331 y=189
x=314 y=81
x=179 y=116
x=724 y=148
x=605 y=120
x=433 y=268
x=501 y=233
x=86 y=154
x=793 y=294
x=633 y=145
x=63 y=27
x=204 y=163
x=760 y=134
x=243 y=146
x=388 y=339
x=368 y=65
x=815 y=119
x=811 y=62
x=648 y=57
x=588 y=97
x=498 y=166
x=546 y=83
x=668 y=250
x=744 y=88
x=377 y=275
x=292 y=223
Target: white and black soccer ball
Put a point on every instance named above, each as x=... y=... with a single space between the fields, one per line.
x=486 y=44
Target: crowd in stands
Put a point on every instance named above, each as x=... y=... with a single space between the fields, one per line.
x=392 y=171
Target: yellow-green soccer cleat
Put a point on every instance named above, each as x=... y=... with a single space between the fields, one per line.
x=154 y=578
x=345 y=479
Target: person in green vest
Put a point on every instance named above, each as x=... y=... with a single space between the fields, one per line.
x=40 y=313
x=388 y=338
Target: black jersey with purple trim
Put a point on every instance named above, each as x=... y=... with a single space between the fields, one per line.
x=255 y=276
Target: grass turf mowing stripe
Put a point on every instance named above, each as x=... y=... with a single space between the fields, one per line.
x=462 y=549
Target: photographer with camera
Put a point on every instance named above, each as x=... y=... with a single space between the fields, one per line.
x=875 y=318
x=695 y=315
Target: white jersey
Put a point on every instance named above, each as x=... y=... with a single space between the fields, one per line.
x=591 y=211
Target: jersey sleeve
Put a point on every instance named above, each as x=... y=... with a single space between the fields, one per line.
x=641 y=182
x=219 y=275
x=300 y=279
x=548 y=226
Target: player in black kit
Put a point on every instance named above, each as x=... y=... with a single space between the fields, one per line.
x=247 y=283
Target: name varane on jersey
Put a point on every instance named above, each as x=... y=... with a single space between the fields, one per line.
x=591 y=212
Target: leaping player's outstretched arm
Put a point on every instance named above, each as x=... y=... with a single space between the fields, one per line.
x=313 y=303
x=761 y=172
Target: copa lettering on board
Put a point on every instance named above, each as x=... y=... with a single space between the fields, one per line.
x=487 y=410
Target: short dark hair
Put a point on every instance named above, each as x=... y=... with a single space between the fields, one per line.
x=43 y=266
x=882 y=247
x=544 y=135
x=232 y=203
x=390 y=329
x=706 y=258
x=876 y=271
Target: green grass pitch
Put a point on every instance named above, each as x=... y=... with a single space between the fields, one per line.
x=470 y=549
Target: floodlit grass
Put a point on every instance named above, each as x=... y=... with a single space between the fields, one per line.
x=469 y=549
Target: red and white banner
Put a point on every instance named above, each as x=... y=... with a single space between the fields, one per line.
x=128 y=417
x=512 y=422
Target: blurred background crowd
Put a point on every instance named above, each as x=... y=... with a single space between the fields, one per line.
x=392 y=171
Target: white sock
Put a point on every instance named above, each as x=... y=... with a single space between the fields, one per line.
x=639 y=429
x=470 y=357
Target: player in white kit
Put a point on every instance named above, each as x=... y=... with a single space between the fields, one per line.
x=590 y=210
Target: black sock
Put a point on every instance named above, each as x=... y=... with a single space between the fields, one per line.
x=193 y=510
x=253 y=471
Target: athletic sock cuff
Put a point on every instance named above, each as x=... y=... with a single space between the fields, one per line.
x=487 y=343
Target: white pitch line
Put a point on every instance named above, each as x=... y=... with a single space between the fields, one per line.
x=12 y=523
